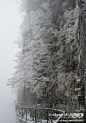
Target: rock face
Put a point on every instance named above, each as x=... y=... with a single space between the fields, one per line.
x=49 y=70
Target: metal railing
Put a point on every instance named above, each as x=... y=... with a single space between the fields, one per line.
x=42 y=115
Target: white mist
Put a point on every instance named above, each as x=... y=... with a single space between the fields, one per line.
x=10 y=21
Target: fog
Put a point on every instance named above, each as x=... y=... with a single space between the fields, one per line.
x=9 y=27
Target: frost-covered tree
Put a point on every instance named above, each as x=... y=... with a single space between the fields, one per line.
x=48 y=64
x=35 y=63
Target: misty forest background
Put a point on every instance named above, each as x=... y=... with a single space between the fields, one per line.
x=48 y=70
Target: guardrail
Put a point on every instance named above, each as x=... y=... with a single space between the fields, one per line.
x=43 y=115
x=48 y=115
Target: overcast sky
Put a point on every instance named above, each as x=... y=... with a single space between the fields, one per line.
x=10 y=21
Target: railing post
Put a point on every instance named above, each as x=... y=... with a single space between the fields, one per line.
x=22 y=113
x=26 y=114
x=85 y=116
x=19 y=112
x=47 y=116
x=35 y=115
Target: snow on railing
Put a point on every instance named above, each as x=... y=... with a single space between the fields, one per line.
x=43 y=115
